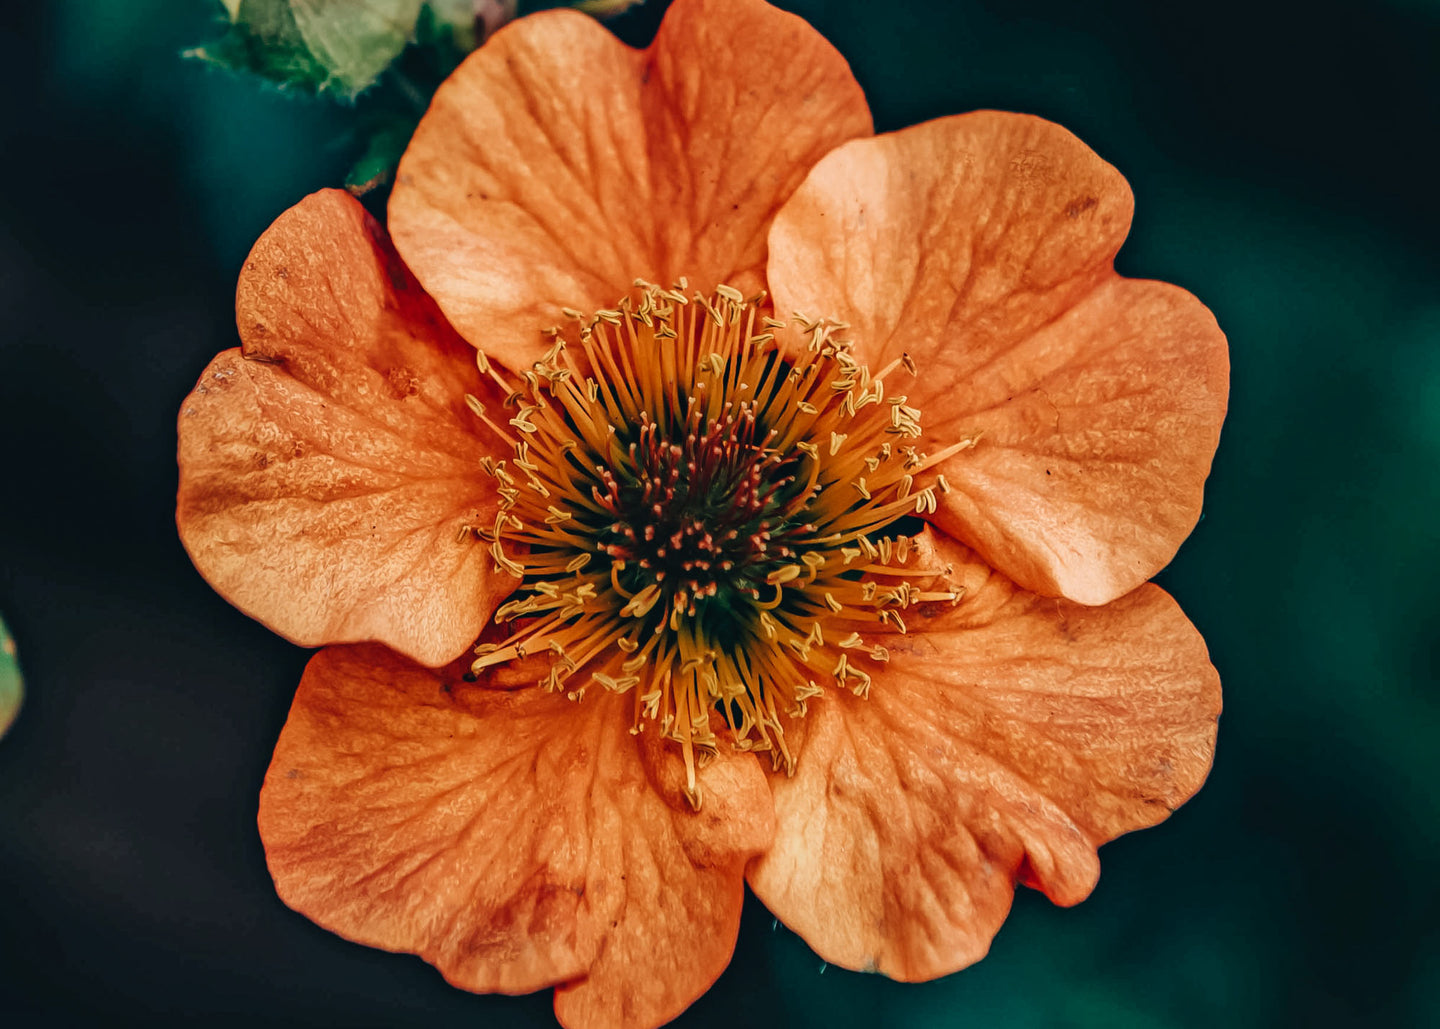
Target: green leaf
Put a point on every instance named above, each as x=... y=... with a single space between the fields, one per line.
x=355 y=40
x=604 y=8
x=456 y=19
x=445 y=32
x=339 y=47
x=594 y=8
x=376 y=165
x=11 y=685
x=343 y=47
x=264 y=39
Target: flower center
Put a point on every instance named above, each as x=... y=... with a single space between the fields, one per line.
x=702 y=520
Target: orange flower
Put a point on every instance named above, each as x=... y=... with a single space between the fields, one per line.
x=703 y=518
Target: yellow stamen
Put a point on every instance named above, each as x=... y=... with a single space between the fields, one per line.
x=690 y=507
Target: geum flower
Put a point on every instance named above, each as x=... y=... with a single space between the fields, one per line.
x=849 y=605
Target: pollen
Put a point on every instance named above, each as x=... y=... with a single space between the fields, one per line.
x=702 y=519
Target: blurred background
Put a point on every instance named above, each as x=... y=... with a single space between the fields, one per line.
x=1283 y=162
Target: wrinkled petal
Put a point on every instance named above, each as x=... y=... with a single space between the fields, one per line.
x=982 y=246
x=511 y=837
x=1008 y=737
x=685 y=892
x=329 y=465
x=556 y=165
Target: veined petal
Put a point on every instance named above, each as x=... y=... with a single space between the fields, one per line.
x=1010 y=736
x=329 y=466
x=1086 y=480
x=685 y=883
x=981 y=245
x=557 y=164
x=511 y=837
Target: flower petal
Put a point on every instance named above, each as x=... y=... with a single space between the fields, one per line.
x=328 y=466
x=1006 y=740
x=556 y=164
x=511 y=837
x=982 y=246
x=685 y=892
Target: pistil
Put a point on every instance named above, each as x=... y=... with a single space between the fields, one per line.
x=693 y=512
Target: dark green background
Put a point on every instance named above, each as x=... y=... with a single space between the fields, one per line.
x=1282 y=163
